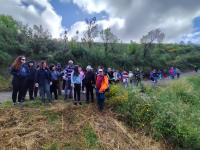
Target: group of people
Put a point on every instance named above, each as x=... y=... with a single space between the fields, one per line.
x=72 y=80
x=172 y=73
x=51 y=80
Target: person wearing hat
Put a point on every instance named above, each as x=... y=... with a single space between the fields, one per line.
x=89 y=84
x=67 y=77
x=102 y=84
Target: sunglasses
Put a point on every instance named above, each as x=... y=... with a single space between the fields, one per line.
x=23 y=59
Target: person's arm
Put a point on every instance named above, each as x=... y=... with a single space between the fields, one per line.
x=72 y=75
x=14 y=72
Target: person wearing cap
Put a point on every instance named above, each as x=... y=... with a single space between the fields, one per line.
x=102 y=85
x=89 y=84
x=67 y=77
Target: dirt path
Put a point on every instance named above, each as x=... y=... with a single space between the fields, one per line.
x=5 y=96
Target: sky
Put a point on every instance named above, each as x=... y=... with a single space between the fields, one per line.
x=128 y=19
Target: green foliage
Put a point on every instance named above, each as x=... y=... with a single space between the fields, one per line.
x=90 y=138
x=52 y=117
x=36 y=43
x=52 y=146
x=170 y=112
x=33 y=104
x=116 y=96
x=4 y=83
x=6 y=104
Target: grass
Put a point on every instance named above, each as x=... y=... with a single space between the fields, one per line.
x=90 y=138
x=5 y=84
x=6 y=104
x=169 y=112
x=52 y=146
x=52 y=117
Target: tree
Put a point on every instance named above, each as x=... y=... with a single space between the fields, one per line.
x=108 y=38
x=91 y=33
x=152 y=37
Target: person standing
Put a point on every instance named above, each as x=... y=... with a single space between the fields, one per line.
x=55 y=81
x=76 y=84
x=30 y=80
x=43 y=79
x=59 y=70
x=67 y=77
x=20 y=73
x=36 y=85
x=102 y=85
x=89 y=83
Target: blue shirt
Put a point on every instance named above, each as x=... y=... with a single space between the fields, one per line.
x=75 y=79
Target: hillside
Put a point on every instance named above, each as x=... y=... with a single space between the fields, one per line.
x=63 y=126
x=37 y=44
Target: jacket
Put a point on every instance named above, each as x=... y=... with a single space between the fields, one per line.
x=104 y=84
x=43 y=76
x=75 y=79
x=89 y=78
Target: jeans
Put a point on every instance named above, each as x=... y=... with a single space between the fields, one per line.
x=68 y=89
x=45 y=90
x=100 y=100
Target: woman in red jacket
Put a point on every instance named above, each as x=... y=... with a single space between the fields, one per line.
x=101 y=87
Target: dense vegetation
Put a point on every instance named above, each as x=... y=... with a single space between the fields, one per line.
x=170 y=112
x=37 y=43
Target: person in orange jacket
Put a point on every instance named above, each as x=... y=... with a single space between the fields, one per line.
x=102 y=85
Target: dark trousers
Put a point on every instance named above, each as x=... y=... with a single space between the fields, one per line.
x=77 y=92
x=54 y=88
x=18 y=90
x=89 y=92
x=29 y=86
x=100 y=100
x=35 y=91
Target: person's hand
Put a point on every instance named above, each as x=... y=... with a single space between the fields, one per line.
x=36 y=85
x=51 y=83
x=72 y=85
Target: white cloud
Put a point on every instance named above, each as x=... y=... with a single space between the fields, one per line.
x=33 y=12
x=140 y=16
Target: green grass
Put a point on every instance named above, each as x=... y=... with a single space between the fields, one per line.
x=52 y=117
x=33 y=104
x=5 y=84
x=6 y=104
x=90 y=138
x=171 y=112
x=52 y=146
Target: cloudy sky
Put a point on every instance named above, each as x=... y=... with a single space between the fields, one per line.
x=128 y=19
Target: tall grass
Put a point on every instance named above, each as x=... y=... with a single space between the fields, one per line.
x=171 y=112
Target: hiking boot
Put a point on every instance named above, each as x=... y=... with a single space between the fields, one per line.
x=75 y=103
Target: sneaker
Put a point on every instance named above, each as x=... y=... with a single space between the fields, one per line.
x=14 y=104
x=75 y=103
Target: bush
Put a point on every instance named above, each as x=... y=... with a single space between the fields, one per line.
x=116 y=96
x=170 y=112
